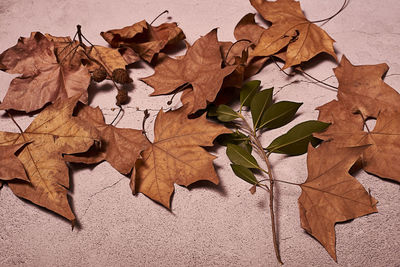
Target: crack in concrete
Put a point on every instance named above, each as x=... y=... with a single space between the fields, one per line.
x=98 y=192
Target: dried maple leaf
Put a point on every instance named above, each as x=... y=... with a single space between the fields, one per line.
x=53 y=132
x=248 y=29
x=362 y=89
x=10 y=166
x=145 y=39
x=119 y=146
x=381 y=156
x=363 y=94
x=43 y=79
x=175 y=156
x=201 y=67
x=330 y=194
x=290 y=29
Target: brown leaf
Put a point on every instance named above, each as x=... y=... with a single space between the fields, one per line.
x=234 y=55
x=248 y=29
x=10 y=166
x=362 y=89
x=119 y=146
x=71 y=54
x=111 y=60
x=290 y=29
x=43 y=79
x=382 y=156
x=175 y=156
x=53 y=132
x=363 y=94
x=201 y=67
x=330 y=194
x=144 y=39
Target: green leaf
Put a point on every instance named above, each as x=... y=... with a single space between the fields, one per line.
x=234 y=138
x=279 y=114
x=261 y=101
x=295 y=141
x=241 y=156
x=212 y=110
x=244 y=173
x=247 y=146
x=247 y=92
x=225 y=113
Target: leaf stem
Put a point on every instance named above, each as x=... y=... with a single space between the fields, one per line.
x=79 y=33
x=162 y=13
x=334 y=15
x=12 y=118
x=120 y=109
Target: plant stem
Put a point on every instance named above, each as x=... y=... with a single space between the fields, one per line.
x=271 y=199
x=262 y=153
x=79 y=32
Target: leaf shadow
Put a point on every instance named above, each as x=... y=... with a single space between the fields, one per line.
x=316 y=60
x=173 y=49
x=95 y=88
x=18 y=113
x=43 y=209
x=218 y=188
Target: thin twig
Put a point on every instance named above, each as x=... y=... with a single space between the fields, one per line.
x=315 y=79
x=120 y=109
x=334 y=15
x=12 y=118
x=276 y=63
x=162 y=13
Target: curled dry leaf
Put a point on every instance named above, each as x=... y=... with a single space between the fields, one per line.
x=43 y=78
x=247 y=32
x=248 y=29
x=330 y=194
x=110 y=60
x=119 y=146
x=10 y=166
x=291 y=30
x=145 y=39
x=53 y=132
x=201 y=67
x=363 y=94
x=175 y=156
x=102 y=62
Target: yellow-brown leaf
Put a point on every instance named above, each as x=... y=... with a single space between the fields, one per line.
x=290 y=29
x=175 y=156
x=53 y=132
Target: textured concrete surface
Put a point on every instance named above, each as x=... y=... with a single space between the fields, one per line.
x=209 y=225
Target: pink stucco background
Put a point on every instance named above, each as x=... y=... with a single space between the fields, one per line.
x=208 y=225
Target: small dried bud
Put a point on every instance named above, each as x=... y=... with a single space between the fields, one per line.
x=99 y=75
x=121 y=76
x=122 y=97
x=253 y=189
